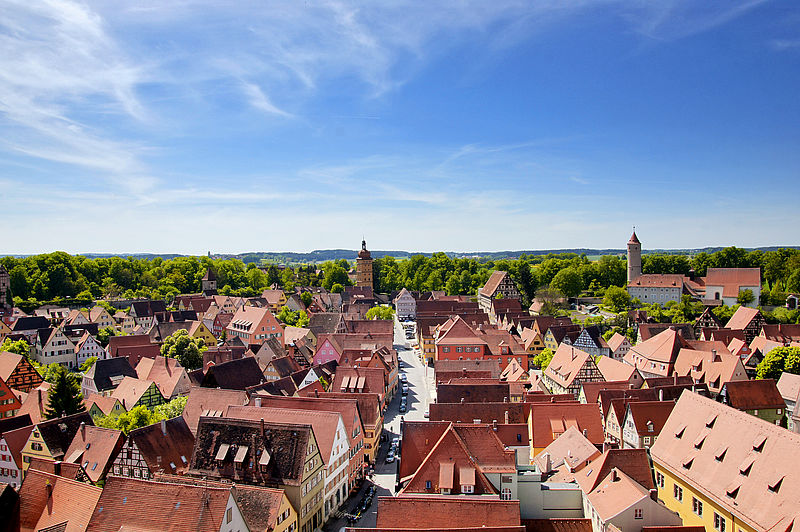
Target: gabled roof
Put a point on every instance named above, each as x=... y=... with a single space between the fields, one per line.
x=479 y=412
x=663 y=348
x=550 y=420
x=209 y=402
x=286 y=445
x=494 y=281
x=616 y=341
x=167 y=373
x=491 y=365
x=646 y=413
x=234 y=375
x=570 y=451
x=753 y=395
x=591 y=390
x=789 y=386
x=446 y=512
x=66 y=504
x=615 y=494
x=284 y=366
x=134 y=504
x=166 y=445
x=737 y=460
x=58 y=433
x=131 y=390
x=95 y=448
x=368 y=405
x=16 y=440
x=30 y=323
x=713 y=368
x=733 y=279
x=472 y=391
x=742 y=317
x=8 y=363
x=35 y=403
x=659 y=280
x=566 y=364
x=614 y=370
x=633 y=462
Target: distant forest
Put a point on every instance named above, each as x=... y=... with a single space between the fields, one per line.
x=61 y=278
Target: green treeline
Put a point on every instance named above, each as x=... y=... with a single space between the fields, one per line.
x=57 y=276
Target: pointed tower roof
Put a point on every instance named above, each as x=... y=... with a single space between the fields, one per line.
x=209 y=276
x=364 y=253
x=634 y=239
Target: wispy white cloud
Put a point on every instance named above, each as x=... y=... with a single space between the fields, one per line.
x=785 y=44
x=259 y=100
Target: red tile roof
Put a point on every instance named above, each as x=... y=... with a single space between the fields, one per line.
x=550 y=420
x=737 y=460
x=567 y=363
x=753 y=395
x=633 y=462
x=732 y=280
x=207 y=401
x=446 y=512
x=95 y=448
x=614 y=370
x=134 y=504
x=64 y=501
x=494 y=281
x=742 y=318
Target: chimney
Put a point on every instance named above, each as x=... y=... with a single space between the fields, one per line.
x=614 y=475
x=506 y=414
x=462 y=400
x=547 y=465
x=164 y=427
x=675 y=378
x=316 y=392
x=494 y=425
x=57 y=468
x=505 y=399
x=262 y=427
x=606 y=446
x=258 y=401
x=83 y=430
x=661 y=394
x=49 y=488
x=654 y=494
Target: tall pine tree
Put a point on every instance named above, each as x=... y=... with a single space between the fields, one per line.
x=65 y=395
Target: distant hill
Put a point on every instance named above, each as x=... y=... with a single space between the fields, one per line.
x=322 y=255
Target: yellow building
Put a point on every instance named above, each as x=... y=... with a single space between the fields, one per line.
x=287 y=517
x=199 y=330
x=726 y=470
x=51 y=439
x=364 y=267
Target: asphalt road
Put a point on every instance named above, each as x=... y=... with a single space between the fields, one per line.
x=420 y=382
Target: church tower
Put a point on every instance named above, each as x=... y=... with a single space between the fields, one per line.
x=364 y=266
x=5 y=286
x=634 y=257
x=209 y=283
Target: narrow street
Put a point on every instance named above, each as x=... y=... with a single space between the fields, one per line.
x=420 y=381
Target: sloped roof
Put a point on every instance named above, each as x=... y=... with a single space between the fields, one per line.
x=754 y=394
x=616 y=493
x=134 y=504
x=203 y=400
x=659 y=280
x=739 y=454
x=570 y=449
x=58 y=433
x=663 y=348
x=742 y=317
x=368 y=405
x=8 y=363
x=711 y=368
x=95 y=448
x=591 y=390
x=494 y=281
x=324 y=423
x=633 y=462
x=234 y=375
x=652 y=412
x=549 y=420
x=733 y=279
x=473 y=392
x=445 y=512
x=70 y=502
x=131 y=390
x=483 y=412
x=492 y=365
x=789 y=386
x=167 y=373
x=566 y=364
x=614 y=370
x=16 y=440
x=170 y=440
x=616 y=341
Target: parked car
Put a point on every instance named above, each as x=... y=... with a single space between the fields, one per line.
x=390 y=456
x=403 y=408
x=403 y=378
x=405 y=388
x=427 y=414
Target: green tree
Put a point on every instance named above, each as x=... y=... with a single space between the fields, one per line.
x=337 y=288
x=88 y=364
x=65 y=395
x=778 y=361
x=307 y=298
x=187 y=350
x=380 y=313
x=104 y=334
x=745 y=297
x=617 y=298
x=568 y=281
x=543 y=359
x=335 y=274
x=20 y=347
x=171 y=409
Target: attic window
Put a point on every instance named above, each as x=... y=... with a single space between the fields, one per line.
x=698 y=443
x=733 y=490
x=183 y=459
x=88 y=445
x=687 y=463
x=679 y=433
x=222 y=453
x=775 y=485
x=710 y=421
x=94 y=466
x=758 y=443
x=746 y=466
x=719 y=456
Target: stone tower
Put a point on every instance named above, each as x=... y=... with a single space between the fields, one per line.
x=364 y=266
x=5 y=286
x=209 y=283
x=634 y=257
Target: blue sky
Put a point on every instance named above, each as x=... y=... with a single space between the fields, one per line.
x=190 y=126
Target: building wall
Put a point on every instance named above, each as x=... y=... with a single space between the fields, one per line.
x=666 y=482
x=541 y=500
x=656 y=294
x=364 y=273
x=34 y=448
x=236 y=523
x=287 y=517
x=10 y=473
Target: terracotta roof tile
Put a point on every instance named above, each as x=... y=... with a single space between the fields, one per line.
x=753 y=395
x=204 y=401
x=745 y=439
x=614 y=370
x=550 y=420
x=732 y=280
x=445 y=512
x=165 y=446
x=95 y=448
x=65 y=501
x=742 y=318
x=633 y=462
